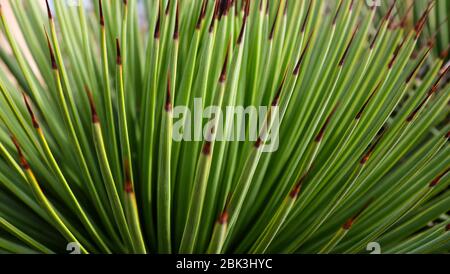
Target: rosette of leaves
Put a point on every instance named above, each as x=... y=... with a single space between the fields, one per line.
x=86 y=126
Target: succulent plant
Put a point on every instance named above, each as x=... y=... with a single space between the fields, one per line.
x=88 y=108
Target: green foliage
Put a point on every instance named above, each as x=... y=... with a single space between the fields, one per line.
x=86 y=127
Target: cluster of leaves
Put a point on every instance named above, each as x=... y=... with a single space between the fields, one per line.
x=437 y=27
x=86 y=146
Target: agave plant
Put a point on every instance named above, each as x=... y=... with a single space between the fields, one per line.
x=89 y=157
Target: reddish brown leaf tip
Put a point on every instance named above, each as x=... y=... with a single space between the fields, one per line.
x=128 y=182
x=207 y=148
x=436 y=180
x=358 y=116
x=372 y=44
x=223 y=218
x=272 y=31
x=302 y=56
x=204 y=9
x=430 y=93
x=416 y=68
x=49 y=12
x=321 y=133
x=118 y=53
x=344 y=56
x=422 y=21
x=176 y=31
x=30 y=111
x=447 y=228
x=157 y=33
x=305 y=21
x=337 y=13
x=246 y=9
x=369 y=153
x=391 y=63
x=214 y=17
x=102 y=18
x=351 y=5
x=285 y=8
x=168 y=104
x=23 y=162
x=258 y=143
x=297 y=188
x=348 y=225
x=241 y=33
x=443 y=55
x=276 y=99
x=94 y=115
x=223 y=74
x=389 y=13
x=223 y=8
x=417 y=109
x=52 y=54
x=129 y=187
x=202 y=14
x=167 y=8
x=125 y=2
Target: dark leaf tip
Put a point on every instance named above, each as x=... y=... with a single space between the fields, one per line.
x=416 y=68
x=30 y=111
x=167 y=8
x=49 y=11
x=241 y=33
x=348 y=225
x=347 y=49
x=118 y=53
x=52 y=54
x=321 y=133
x=157 y=26
x=258 y=143
x=128 y=180
x=361 y=111
x=436 y=180
x=297 y=188
x=23 y=162
x=337 y=13
x=302 y=56
x=223 y=74
x=176 y=31
x=102 y=18
x=305 y=21
x=223 y=218
x=369 y=153
x=94 y=115
x=207 y=148
x=168 y=104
